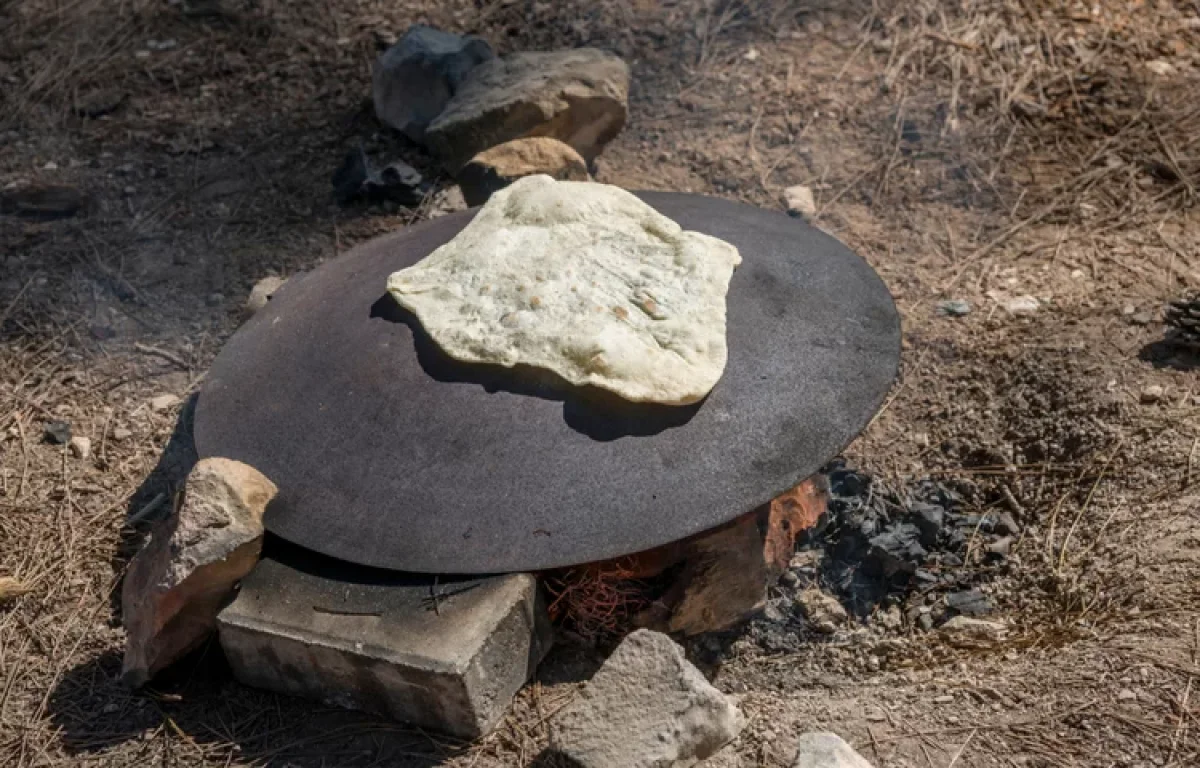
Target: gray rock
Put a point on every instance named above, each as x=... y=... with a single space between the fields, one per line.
x=578 y=97
x=954 y=307
x=647 y=707
x=822 y=749
x=415 y=78
x=182 y=577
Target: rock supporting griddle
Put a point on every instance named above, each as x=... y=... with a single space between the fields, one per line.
x=187 y=570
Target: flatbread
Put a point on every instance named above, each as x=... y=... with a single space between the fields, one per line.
x=582 y=279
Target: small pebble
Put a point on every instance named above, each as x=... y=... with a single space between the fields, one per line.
x=1126 y=695
x=943 y=699
x=163 y=403
x=81 y=447
x=954 y=307
x=120 y=433
x=799 y=200
x=1152 y=394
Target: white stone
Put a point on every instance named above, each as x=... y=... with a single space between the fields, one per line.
x=647 y=707
x=1161 y=67
x=81 y=447
x=822 y=749
x=163 y=403
x=584 y=280
x=799 y=199
x=966 y=627
x=1021 y=305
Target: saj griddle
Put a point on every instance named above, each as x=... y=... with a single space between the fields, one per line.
x=388 y=453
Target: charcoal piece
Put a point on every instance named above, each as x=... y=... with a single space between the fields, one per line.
x=896 y=551
x=970 y=602
x=398 y=181
x=57 y=432
x=929 y=519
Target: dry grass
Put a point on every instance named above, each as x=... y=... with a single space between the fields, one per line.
x=981 y=149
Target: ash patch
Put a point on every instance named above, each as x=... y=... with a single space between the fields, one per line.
x=910 y=557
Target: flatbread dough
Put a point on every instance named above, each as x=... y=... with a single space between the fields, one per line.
x=582 y=279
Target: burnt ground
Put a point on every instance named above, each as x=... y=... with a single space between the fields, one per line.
x=982 y=150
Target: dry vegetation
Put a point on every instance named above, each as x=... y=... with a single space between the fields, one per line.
x=974 y=149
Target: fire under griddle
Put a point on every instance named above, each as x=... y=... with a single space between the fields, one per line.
x=389 y=454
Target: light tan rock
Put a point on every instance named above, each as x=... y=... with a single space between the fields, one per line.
x=496 y=168
x=261 y=293
x=799 y=200
x=577 y=96
x=188 y=568
x=647 y=707
x=822 y=611
x=11 y=589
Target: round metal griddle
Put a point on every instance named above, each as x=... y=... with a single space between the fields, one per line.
x=387 y=453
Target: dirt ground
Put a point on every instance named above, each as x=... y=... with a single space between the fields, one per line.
x=983 y=150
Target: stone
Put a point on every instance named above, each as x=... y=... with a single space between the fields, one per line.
x=822 y=749
x=415 y=79
x=163 y=403
x=57 y=432
x=576 y=96
x=496 y=168
x=823 y=612
x=446 y=654
x=190 y=565
x=799 y=201
x=11 y=589
x=954 y=307
x=647 y=707
x=1161 y=67
x=261 y=293
x=121 y=433
x=965 y=628
x=80 y=447
x=1152 y=394
x=1021 y=305
x=1000 y=548
x=1006 y=524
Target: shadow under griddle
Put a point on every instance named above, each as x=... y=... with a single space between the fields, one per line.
x=591 y=411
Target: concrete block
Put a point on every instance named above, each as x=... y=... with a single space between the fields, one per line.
x=446 y=654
